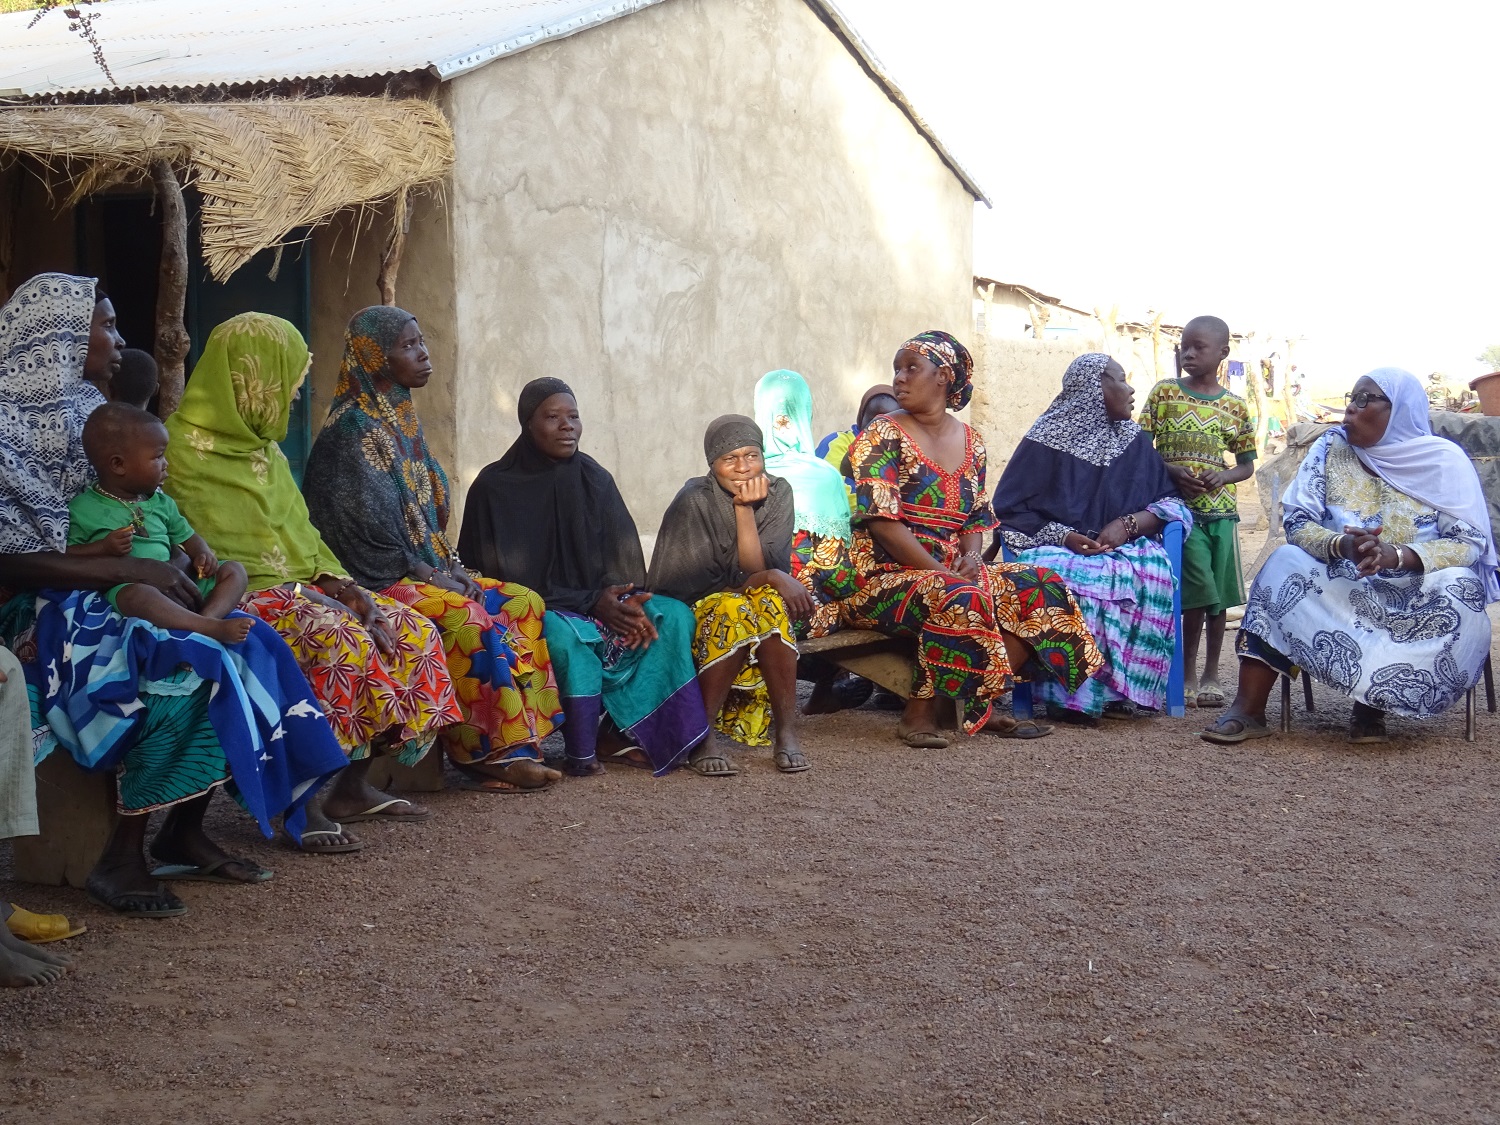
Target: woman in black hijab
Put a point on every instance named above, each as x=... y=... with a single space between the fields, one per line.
x=725 y=549
x=549 y=517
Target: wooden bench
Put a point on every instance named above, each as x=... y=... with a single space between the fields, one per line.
x=885 y=661
x=75 y=813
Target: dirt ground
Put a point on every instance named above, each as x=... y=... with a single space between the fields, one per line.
x=1122 y=925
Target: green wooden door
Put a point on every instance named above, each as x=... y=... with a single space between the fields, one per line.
x=251 y=289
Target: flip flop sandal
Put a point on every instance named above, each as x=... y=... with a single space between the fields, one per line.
x=1210 y=696
x=1024 y=728
x=1119 y=709
x=346 y=847
x=582 y=767
x=499 y=785
x=142 y=904
x=921 y=739
x=1190 y=697
x=696 y=767
x=209 y=873
x=377 y=812
x=625 y=757
x=39 y=929
x=788 y=763
x=1247 y=731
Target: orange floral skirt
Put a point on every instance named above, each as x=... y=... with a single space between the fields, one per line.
x=500 y=666
x=403 y=699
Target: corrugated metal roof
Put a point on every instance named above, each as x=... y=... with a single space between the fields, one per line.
x=184 y=44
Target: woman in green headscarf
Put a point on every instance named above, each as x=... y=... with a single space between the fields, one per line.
x=821 y=538
x=375 y=665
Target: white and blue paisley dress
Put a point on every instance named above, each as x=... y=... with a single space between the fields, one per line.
x=1408 y=643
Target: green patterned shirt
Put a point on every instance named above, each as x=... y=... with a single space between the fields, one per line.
x=1197 y=431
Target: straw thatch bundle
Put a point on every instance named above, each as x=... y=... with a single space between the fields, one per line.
x=264 y=168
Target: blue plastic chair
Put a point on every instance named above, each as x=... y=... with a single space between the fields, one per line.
x=1020 y=697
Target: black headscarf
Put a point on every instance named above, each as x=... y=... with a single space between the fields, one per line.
x=1076 y=468
x=697 y=549
x=560 y=528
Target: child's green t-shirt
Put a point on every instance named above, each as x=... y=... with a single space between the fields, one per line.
x=1197 y=430
x=159 y=526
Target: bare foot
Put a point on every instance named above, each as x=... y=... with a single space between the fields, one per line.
x=20 y=971
x=12 y=944
x=230 y=631
x=524 y=773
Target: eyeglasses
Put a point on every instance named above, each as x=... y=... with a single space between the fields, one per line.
x=1362 y=399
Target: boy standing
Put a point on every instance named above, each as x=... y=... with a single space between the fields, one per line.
x=1194 y=421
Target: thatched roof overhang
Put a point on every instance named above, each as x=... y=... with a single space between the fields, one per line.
x=263 y=168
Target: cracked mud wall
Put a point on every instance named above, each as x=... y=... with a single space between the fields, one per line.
x=662 y=209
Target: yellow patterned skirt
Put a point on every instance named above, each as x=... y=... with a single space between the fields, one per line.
x=728 y=622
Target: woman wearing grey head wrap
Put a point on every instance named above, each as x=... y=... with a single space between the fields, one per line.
x=725 y=549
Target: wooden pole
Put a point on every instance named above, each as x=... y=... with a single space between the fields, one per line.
x=1156 y=345
x=172 y=340
x=390 y=261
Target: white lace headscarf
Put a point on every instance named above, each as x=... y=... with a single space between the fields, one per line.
x=44 y=401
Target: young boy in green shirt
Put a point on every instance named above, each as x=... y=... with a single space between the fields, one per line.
x=1194 y=421
x=126 y=513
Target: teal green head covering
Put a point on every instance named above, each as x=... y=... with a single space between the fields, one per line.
x=783 y=409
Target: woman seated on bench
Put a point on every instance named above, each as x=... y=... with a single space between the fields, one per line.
x=380 y=500
x=549 y=517
x=1381 y=587
x=724 y=548
x=923 y=511
x=203 y=715
x=375 y=665
x=1087 y=496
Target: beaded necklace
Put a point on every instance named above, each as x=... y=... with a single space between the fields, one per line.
x=137 y=516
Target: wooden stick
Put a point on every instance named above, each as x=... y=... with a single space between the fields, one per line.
x=390 y=261
x=172 y=340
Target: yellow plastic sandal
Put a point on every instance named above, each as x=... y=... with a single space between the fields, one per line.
x=39 y=929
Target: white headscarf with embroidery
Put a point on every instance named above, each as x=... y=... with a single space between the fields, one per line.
x=44 y=401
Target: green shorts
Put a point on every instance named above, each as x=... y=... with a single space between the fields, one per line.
x=1211 y=567
x=205 y=587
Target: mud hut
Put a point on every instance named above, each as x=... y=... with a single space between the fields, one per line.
x=658 y=200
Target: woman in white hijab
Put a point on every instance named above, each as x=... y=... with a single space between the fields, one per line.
x=1381 y=588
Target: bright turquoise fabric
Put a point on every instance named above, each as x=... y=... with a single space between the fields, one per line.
x=783 y=410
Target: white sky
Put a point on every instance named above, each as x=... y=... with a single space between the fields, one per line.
x=1318 y=168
